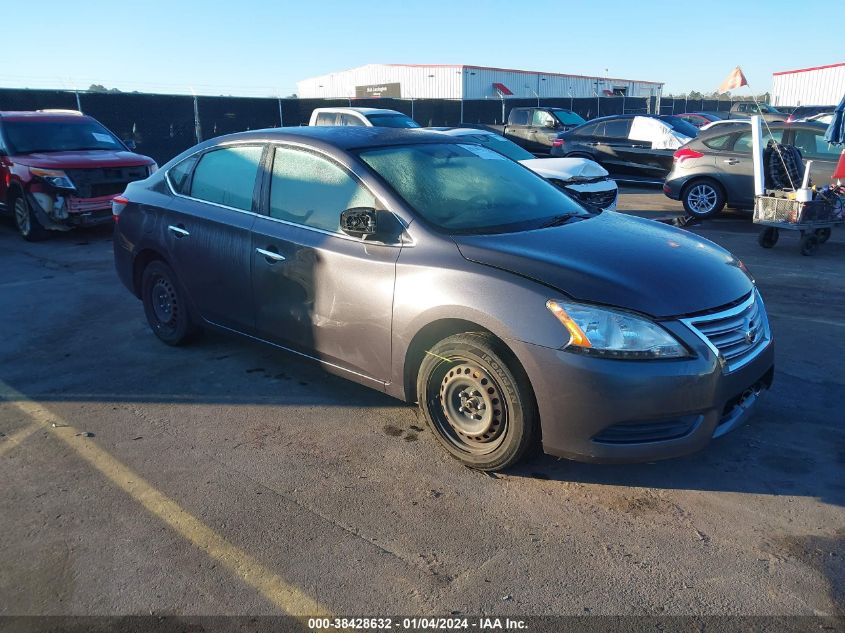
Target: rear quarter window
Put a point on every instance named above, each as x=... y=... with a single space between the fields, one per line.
x=180 y=175
x=717 y=142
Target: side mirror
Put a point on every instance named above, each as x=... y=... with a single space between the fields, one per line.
x=130 y=144
x=358 y=221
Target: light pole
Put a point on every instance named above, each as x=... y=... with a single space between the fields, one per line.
x=536 y=94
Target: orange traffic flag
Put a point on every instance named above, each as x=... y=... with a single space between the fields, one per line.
x=734 y=80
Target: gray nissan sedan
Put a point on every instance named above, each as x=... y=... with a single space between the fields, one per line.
x=443 y=273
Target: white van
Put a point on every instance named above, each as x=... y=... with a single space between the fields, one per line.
x=361 y=117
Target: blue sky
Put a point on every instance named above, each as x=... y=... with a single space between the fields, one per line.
x=262 y=48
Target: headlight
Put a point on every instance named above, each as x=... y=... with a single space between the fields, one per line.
x=55 y=177
x=151 y=169
x=613 y=333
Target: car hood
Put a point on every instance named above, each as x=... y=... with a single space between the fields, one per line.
x=83 y=159
x=618 y=260
x=566 y=168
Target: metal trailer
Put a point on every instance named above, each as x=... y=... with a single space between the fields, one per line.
x=814 y=219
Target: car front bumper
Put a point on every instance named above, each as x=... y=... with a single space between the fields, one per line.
x=601 y=194
x=605 y=410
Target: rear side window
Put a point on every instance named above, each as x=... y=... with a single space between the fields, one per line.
x=618 y=128
x=519 y=117
x=743 y=143
x=227 y=176
x=349 y=120
x=180 y=175
x=591 y=129
x=311 y=190
x=325 y=118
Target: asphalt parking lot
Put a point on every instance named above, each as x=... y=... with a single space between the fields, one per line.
x=229 y=478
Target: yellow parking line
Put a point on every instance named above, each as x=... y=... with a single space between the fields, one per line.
x=11 y=440
x=284 y=595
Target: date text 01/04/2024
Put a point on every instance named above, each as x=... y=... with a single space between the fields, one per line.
x=414 y=624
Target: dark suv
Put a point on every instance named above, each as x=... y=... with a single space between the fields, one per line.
x=60 y=169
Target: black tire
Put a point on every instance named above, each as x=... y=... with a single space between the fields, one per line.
x=768 y=237
x=823 y=235
x=478 y=402
x=27 y=224
x=809 y=244
x=703 y=198
x=165 y=304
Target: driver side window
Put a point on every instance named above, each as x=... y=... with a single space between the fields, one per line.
x=311 y=190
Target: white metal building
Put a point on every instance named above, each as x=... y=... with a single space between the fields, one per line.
x=412 y=81
x=822 y=85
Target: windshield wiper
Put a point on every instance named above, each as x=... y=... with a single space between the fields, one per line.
x=559 y=220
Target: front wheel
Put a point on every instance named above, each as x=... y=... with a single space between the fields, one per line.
x=28 y=225
x=165 y=304
x=477 y=401
x=703 y=199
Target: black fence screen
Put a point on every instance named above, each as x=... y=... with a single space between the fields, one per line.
x=162 y=126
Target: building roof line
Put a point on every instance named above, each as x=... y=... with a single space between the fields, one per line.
x=510 y=70
x=804 y=70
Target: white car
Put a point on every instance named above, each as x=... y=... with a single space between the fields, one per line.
x=585 y=180
x=361 y=117
x=724 y=122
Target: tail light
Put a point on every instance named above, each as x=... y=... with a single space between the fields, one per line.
x=558 y=142
x=118 y=204
x=685 y=153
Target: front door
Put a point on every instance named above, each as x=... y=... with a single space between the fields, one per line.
x=207 y=233
x=317 y=290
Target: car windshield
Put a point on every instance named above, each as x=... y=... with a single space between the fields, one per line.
x=679 y=125
x=27 y=137
x=498 y=144
x=568 y=118
x=392 y=120
x=463 y=188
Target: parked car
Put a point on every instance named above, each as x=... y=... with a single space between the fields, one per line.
x=585 y=180
x=630 y=147
x=745 y=109
x=60 y=169
x=361 y=117
x=440 y=273
x=536 y=129
x=699 y=119
x=803 y=113
x=717 y=168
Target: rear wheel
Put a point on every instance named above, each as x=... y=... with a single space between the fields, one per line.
x=478 y=401
x=703 y=199
x=28 y=225
x=165 y=304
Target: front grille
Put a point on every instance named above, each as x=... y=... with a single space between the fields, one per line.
x=104 y=181
x=641 y=432
x=737 y=334
x=595 y=199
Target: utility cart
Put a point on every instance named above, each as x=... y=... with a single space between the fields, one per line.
x=814 y=219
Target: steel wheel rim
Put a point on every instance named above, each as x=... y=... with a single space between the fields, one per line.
x=164 y=303
x=22 y=217
x=702 y=199
x=467 y=406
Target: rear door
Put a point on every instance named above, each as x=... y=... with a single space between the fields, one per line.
x=810 y=140
x=518 y=129
x=207 y=231
x=317 y=290
x=736 y=164
x=617 y=149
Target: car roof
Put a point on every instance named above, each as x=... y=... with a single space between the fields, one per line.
x=342 y=137
x=359 y=110
x=723 y=129
x=462 y=131
x=43 y=115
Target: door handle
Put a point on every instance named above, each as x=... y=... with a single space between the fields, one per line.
x=731 y=161
x=179 y=231
x=271 y=256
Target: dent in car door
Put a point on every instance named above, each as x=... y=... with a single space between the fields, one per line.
x=207 y=234
x=318 y=291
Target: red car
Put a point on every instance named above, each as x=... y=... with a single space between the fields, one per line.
x=60 y=169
